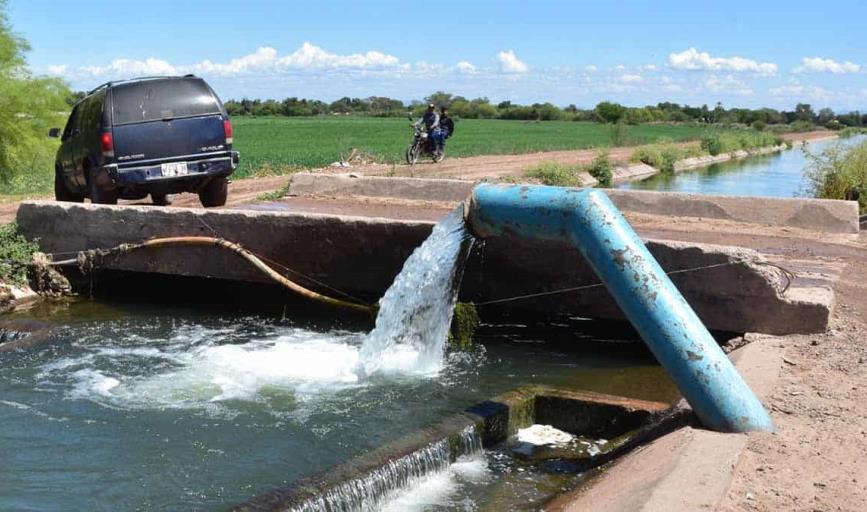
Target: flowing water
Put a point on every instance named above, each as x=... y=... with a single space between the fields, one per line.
x=131 y=406
x=416 y=311
x=775 y=175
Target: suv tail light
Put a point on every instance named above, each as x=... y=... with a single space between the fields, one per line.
x=227 y=127
x=107 y=143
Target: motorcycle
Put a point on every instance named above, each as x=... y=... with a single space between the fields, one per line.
x=423 y=144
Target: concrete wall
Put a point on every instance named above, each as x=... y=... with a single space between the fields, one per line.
x=813 y=214
x=363 y=255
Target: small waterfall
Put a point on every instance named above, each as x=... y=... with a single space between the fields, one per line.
x=416 y=311
x=368 y=493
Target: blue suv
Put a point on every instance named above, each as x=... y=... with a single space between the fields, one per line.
x=157 y=136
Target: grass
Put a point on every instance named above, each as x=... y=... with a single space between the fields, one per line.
x=309 y=142
x=283 y=145
x=15 y=253
x=839 y=173
x=664 y=154
x=717 y=142
x=556 y=174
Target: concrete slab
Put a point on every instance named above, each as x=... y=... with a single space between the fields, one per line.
x=814 y=214
x=687 y=470
x=310 y=184
x=823 y=215
x=731 y=289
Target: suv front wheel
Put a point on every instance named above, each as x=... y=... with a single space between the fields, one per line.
x=214 y=192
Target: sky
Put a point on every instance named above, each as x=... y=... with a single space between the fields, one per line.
x=741 y=53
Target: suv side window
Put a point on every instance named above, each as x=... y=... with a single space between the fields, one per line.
x=71 y=123
x=90 y=118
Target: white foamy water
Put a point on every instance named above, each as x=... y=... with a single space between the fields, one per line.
x=416 y=311
x=198 y=366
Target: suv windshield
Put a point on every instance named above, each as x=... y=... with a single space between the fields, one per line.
x=152 y=100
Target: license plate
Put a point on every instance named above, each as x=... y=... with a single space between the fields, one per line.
x=174 y=169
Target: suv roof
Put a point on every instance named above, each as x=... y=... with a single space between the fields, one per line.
x=106 y=85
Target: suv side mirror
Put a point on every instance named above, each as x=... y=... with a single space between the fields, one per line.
x=54 y=133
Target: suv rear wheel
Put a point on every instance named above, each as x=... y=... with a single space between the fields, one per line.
x=100 y=196
x=214 y=192
x=61 y=193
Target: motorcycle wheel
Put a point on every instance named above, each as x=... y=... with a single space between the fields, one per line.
x=412 y=152
x=439 y=156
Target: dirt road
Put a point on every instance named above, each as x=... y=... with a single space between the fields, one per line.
x=470 y=168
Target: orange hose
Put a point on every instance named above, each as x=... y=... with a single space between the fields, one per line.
x=247 y=255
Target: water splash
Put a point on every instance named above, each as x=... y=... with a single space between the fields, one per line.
x=416 y=311
x=386 y=487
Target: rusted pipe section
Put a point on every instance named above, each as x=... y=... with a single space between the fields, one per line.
x=239 y=250
x=668 y=325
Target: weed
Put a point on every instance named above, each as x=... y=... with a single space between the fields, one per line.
x=553 y=173
x=275 y=195
x=15 y=253
x=839 y=173
x=601 y=169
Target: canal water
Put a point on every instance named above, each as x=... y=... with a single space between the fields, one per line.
x=143 y=407
x=147 y=407
x=775 y=175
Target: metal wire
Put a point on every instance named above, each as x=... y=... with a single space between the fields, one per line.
x=786 y=272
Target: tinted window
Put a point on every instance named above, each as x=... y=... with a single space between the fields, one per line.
x=71 y=123
x=152 y=100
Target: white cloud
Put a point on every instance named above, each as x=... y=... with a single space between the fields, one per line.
x=800 y=92
x=591 y=68
x=649 y=67
x=509 y=63
x=692 y=59
x=465 y=67
x=265 y=60
x=820 y=65
x=631 y=79
x=727 y=84
x=59 y=69
x=620 y=67
x=133 y=67
x=312 y=56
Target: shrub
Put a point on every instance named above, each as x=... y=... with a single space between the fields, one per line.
x=662 y=155
x=552 y=173
x=839 y=173
x=15 y=253
x=759 y=125
x=602 y=169
x=850 y=131
x=712 y=143
x=802 y=126
x=608 y=112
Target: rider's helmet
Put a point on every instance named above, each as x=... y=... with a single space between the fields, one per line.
x=431 y=106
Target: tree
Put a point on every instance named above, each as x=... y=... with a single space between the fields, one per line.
x=608 y=112
x=826 y=115
x=30 y=106
x=804 y=112
x=440 y=99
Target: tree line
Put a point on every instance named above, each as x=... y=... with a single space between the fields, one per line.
x=605 y=112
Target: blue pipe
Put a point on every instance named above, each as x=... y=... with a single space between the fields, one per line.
x=673 y=332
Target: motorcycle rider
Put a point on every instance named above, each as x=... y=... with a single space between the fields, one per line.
x=431 y=121
x=447 y=124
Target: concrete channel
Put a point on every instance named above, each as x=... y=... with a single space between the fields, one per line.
x=732 y=289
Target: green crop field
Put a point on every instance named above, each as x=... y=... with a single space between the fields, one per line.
x=280 y=143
